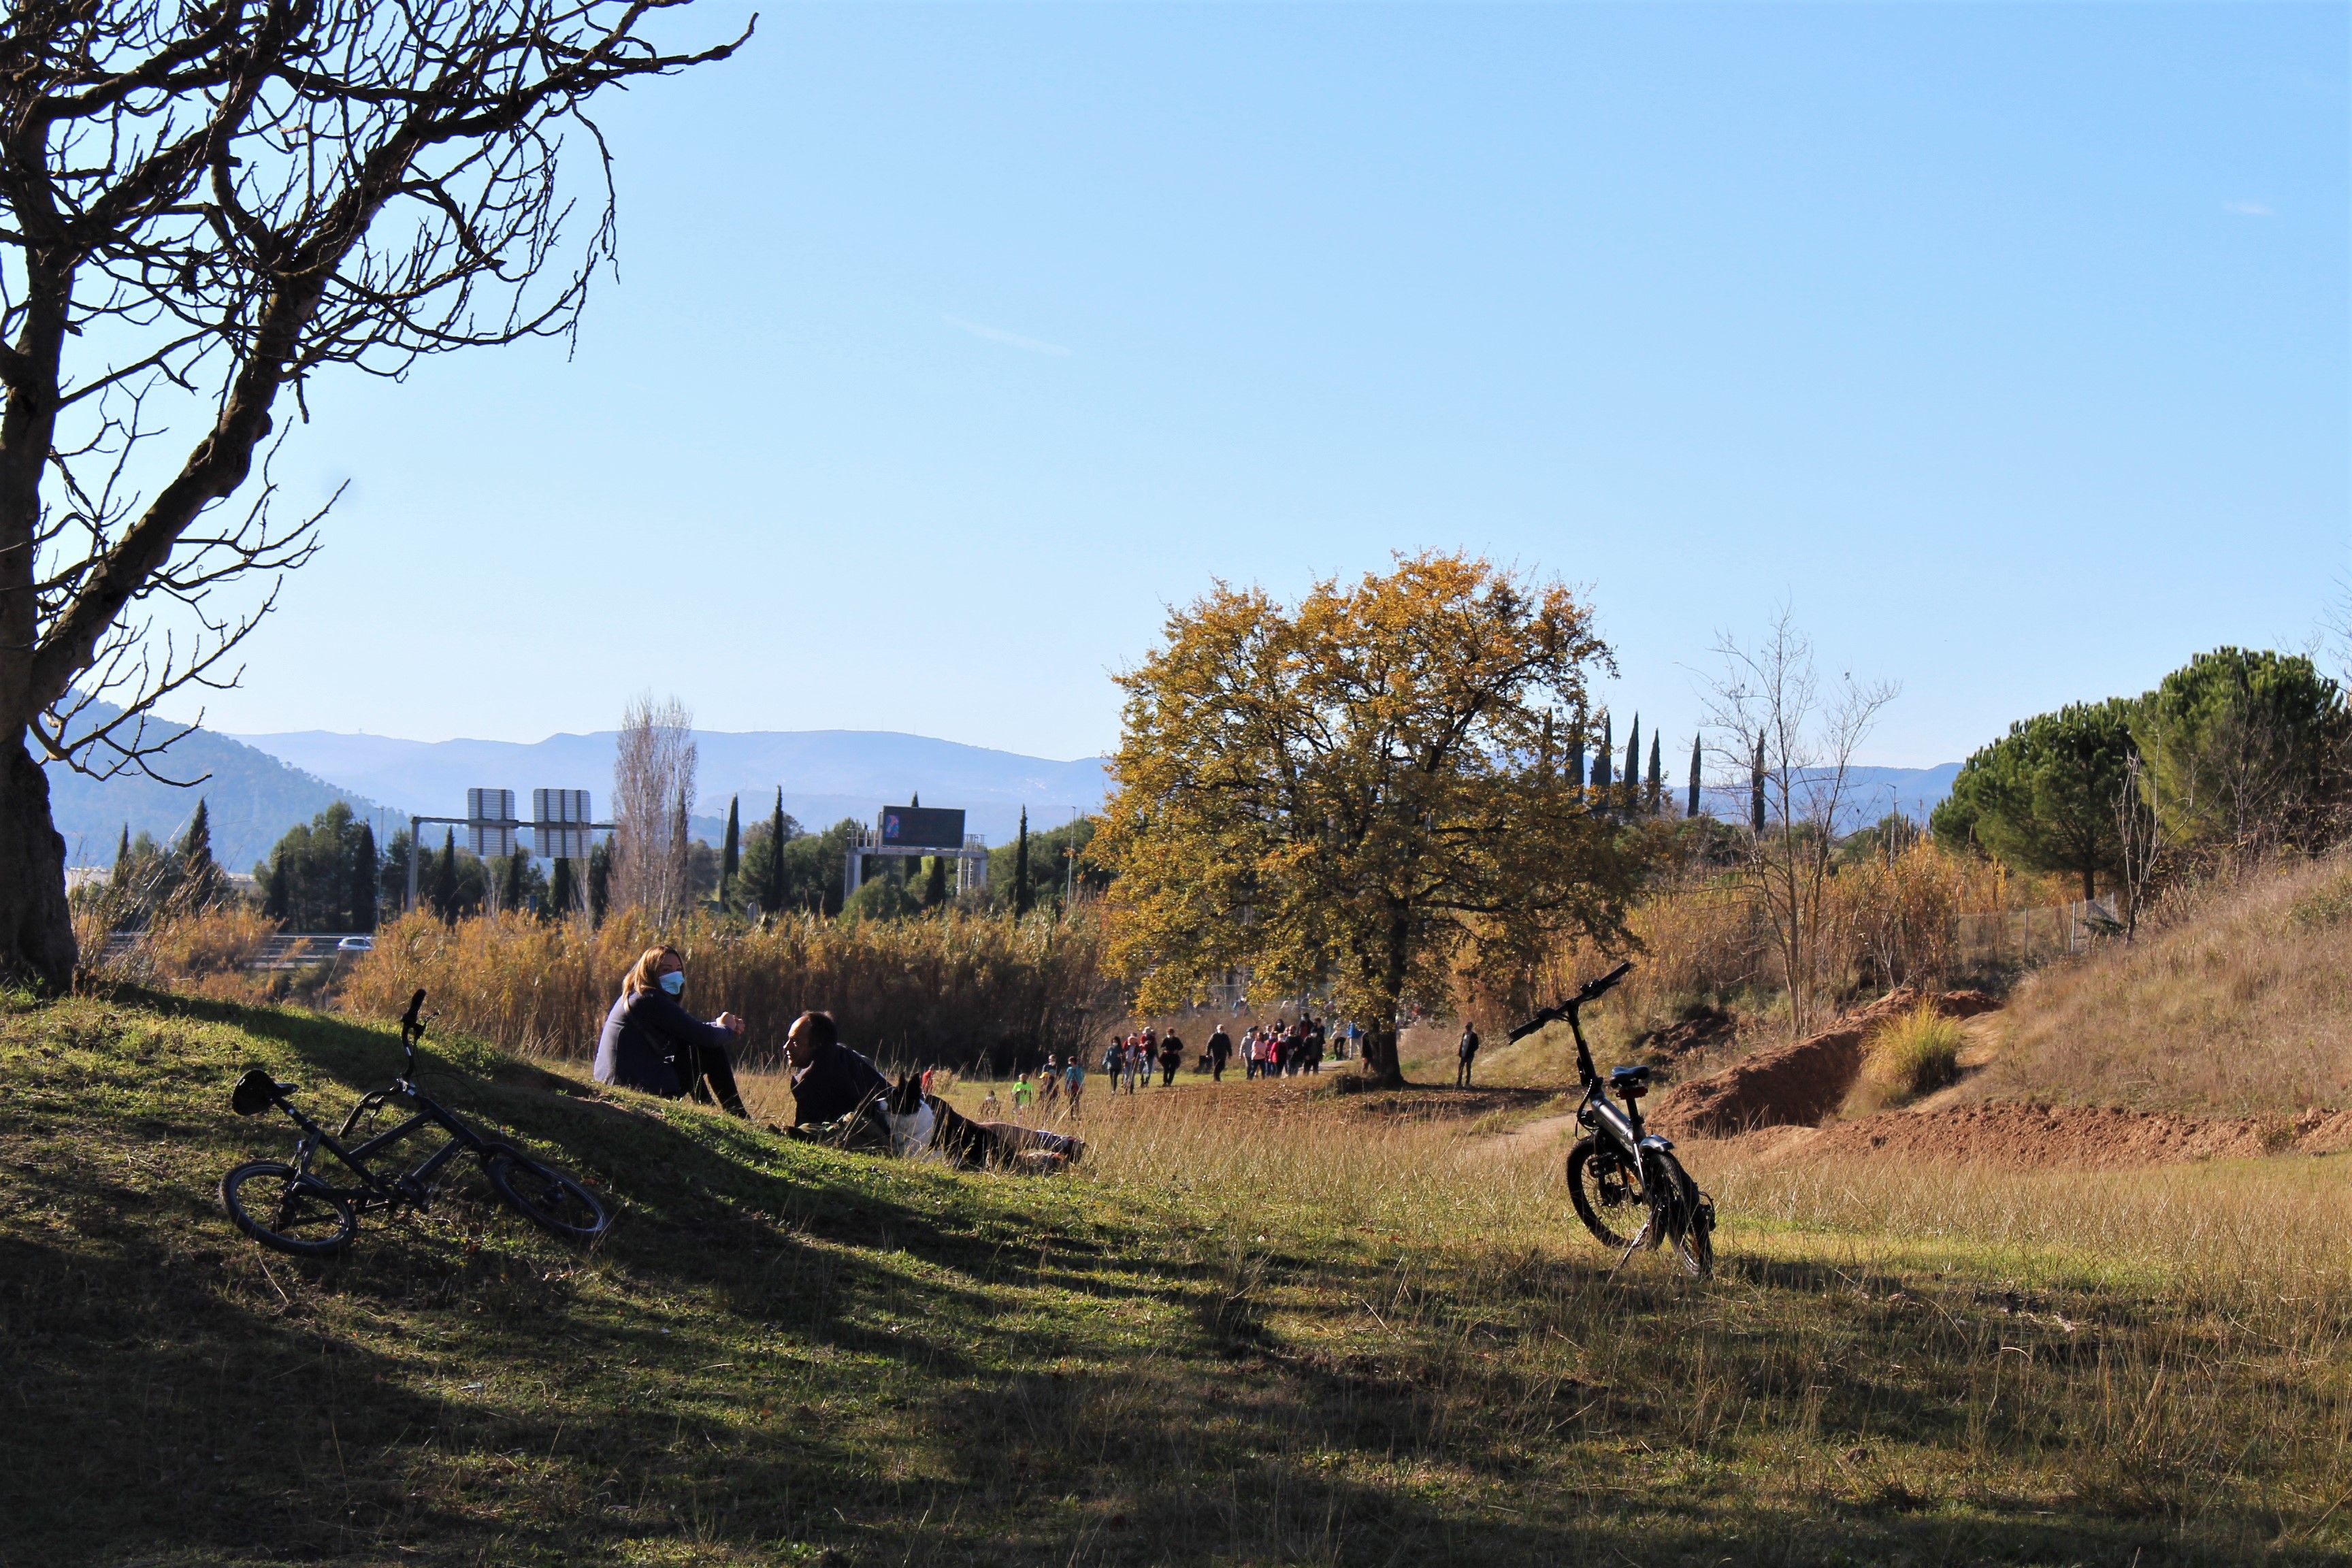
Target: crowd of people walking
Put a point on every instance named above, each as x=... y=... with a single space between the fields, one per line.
x=1131 y=1061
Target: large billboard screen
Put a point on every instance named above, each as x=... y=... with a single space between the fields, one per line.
x=921 y=827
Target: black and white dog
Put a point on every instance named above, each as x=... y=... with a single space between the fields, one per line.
x=924 y=1124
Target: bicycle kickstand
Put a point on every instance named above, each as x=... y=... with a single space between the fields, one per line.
x=1632 y=1247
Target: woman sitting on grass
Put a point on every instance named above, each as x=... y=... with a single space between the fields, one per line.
x=651 y=1043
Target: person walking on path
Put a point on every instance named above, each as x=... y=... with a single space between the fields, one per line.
x=1467 y=1052
x=1221 y=1046
x=1172 y=1057
x=1023 y=1097
x=1049 y=1084
x=1076 y=1077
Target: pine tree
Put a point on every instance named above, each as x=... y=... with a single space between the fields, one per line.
x=1632 y=788
x=1021 y=869
x=1693 y=810
x=273 y=903
x=1756 y=790
x=363 y=879
x=1657 y=778
x=445 y=878
x=730 y=855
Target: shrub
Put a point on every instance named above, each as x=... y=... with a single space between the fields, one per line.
x=1910 y=1055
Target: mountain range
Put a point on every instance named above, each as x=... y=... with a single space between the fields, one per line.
x=258 y=786
x=251 y=798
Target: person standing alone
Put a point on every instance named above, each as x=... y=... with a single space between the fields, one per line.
x=1468 y=1052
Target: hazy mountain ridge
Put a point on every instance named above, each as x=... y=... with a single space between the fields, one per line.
x=251 y=796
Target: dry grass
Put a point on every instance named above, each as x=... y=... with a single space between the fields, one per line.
x=1914 y=1053
x=2239 y=1005
x=949 y=987
x=1265 y=1324
x=1704 y=941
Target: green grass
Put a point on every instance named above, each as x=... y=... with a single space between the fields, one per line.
x=785 y=1355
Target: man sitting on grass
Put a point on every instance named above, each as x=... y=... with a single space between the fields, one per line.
x=832 y=1086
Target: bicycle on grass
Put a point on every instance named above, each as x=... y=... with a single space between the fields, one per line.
x=1618 y=1165
x=291 y=1207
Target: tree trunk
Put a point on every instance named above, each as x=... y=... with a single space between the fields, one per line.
x=36 y=939
x=1382 y=1064
x=2090 y=884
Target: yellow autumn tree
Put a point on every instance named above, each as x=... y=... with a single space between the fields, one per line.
x=1357 y=793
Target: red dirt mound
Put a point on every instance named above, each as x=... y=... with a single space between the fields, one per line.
x=1799 y=1083
x=2053 y=1137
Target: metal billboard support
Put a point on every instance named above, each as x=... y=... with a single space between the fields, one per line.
x=972 y=860
x=560 y=821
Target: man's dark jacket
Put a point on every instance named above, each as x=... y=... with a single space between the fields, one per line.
x=645 y=1038
x=835 y=1083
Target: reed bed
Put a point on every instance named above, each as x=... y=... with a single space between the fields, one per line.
x=952 y=987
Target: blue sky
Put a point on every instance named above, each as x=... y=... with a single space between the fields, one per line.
x=2007 y=344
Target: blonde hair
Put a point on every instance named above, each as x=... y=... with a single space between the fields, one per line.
x=645 y=974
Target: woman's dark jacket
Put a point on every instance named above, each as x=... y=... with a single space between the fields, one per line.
x=645 y=1036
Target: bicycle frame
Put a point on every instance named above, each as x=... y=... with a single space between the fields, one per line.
x=1621 y=1127
x=411 y=1186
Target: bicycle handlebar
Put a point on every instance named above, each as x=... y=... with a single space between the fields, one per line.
x=1590 y=991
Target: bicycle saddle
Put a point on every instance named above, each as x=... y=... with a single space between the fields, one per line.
x=256 y=1092
x=1630 y=1081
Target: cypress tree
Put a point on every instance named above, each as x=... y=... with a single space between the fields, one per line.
x=771 y=891
x=1693 y=810
x=1632 y=787
x=560 y=893
x=730 y=854
x=122 y=855
x=935 y=886
x=1657 y=778
x=445 y=878
x=515 y=893
x=1021 y=869
x=1756 y=791
x=363 y=879
x=273 y=903
x=600 y=880
x=1576 y=758
x=199 y=873
x=1600 y=761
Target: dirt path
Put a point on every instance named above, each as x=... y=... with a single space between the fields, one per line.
x=2012 y=1137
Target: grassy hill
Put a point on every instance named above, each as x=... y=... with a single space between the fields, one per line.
x=1269 y=1324
x=2239 y=1005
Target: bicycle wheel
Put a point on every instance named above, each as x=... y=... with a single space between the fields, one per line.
x=546 y=1196
x=1598 y=1180
x=1683 y=1216
x=279 y=1207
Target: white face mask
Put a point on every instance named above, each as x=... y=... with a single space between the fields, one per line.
x=674 y=982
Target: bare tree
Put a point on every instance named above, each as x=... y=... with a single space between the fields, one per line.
x=1796 y=744
x=200 y=206
x=653 y=790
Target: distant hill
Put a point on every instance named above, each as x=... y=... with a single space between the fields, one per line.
x=827 y=774
x=253 y=798
x=1869 y=795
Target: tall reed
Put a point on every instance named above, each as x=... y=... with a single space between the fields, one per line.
x=953 y=987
